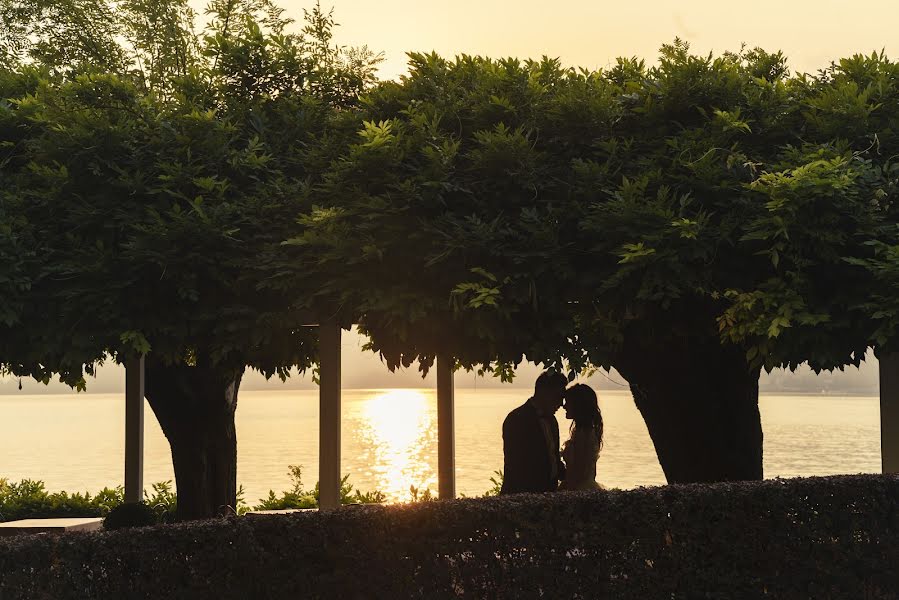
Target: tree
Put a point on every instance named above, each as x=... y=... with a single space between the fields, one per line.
x=158 y=202
x=61 y=34
x=664 y=199
x=16 y=241
x=828 y=228
x=415 y=221
x=612 y=219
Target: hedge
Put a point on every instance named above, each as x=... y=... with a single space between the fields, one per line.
x=833 y=537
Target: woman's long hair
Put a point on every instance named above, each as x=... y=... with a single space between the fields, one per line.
x=582 y=404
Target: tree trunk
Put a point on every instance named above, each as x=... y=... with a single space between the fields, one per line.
x=195 y=407
x=700 y=403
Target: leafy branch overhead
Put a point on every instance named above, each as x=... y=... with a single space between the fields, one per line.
x=498 y=209
x=203 y=183
x=152 y=166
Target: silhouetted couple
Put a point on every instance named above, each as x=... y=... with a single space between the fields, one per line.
x=532 y=459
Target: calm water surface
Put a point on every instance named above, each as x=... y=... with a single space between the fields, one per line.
x=76 y=443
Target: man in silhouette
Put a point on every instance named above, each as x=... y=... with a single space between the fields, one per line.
x=531 y=440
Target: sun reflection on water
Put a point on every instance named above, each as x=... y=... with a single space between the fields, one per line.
x=399 y=430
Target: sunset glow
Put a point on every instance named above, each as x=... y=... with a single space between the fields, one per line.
x=400 y=427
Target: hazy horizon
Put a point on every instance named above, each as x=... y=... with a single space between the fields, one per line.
x=364 y=370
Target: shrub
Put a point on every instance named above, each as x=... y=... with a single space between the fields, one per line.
x=163 y=501
x=130 y=514
x=29 y=499
x=497 y=481
x=297 y=497
x=417 y=495
x=832 y=537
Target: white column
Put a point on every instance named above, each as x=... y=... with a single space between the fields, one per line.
x=329 y=414
x=889 y=412
x=134 y=429
x=446 y=429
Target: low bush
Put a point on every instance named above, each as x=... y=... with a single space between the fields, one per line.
x=832 y=537
x=29 y=499
x=163 y=501
x=130 y=514
x=297 y=497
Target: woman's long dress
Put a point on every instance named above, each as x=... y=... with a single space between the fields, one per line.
x=580 y=453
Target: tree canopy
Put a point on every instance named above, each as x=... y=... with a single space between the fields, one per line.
x=687 y=223
x=157 y=197
x=594 y=206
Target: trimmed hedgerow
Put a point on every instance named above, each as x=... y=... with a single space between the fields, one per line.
x=834 y=537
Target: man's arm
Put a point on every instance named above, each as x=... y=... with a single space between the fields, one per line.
x=512 y=475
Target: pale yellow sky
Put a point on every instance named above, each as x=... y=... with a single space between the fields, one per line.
x=592 y=34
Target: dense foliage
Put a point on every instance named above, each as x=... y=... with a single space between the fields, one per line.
x=828 y=226
x=29 y=499
x=157 y=210
x=688 y=224
x=527 y=192
x=818 y=537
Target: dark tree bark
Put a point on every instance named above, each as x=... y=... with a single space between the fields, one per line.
x=195 y=407
x=700 y=403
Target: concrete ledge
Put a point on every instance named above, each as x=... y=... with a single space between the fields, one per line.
x=282 y=511
x=27 y=526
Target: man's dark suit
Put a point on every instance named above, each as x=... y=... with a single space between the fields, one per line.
x=527 y=465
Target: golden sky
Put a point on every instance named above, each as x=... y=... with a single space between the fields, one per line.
x=593 y=33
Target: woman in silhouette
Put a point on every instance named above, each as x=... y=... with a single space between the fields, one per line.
x=581 y=450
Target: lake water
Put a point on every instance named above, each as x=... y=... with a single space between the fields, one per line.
x=76 y=443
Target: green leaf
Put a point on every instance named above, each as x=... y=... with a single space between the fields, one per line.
x=136 y=341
